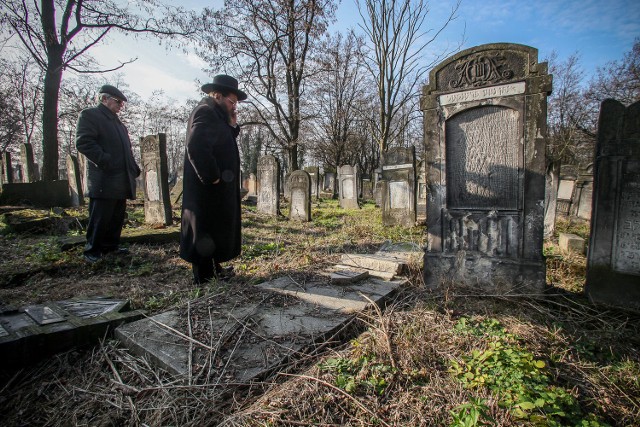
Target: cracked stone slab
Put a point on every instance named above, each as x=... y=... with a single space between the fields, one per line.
x=248 y=342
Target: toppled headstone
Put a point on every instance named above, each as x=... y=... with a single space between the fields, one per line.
x=36 y=331
x=571 y=243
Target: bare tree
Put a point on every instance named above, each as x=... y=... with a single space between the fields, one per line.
x=58 y=35
x=340 y=92
x=619 y=80
x=398 y=39
x=568 y=117
x=267 y=44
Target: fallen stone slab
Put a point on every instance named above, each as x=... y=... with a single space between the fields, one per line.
x=250 y=333
x=31 y=333
x=345 y=276
x=376 y=262
x=129 y=236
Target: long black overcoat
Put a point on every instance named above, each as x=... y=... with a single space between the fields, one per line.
x=104 y=140
x=210 y=212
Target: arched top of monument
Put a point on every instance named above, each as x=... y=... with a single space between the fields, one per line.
x=485 y=65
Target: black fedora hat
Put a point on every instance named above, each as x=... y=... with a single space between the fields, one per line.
x=225 y=83
x=113 y=91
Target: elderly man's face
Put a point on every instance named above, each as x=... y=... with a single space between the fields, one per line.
x=114 y=104
x=229 y=103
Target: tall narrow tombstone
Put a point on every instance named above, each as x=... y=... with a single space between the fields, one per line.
x=269 y=191
x=485 y=127
x=157 y=198
x=252 y=185
x=84 y=172
x=300 y=196
x=421 y=192
x=348 y=186
x=613 y=259
x=367 y=189
x=314 y=174
x=582 y=197
x=7 y=168
x=28 y=163
x=565 y=194
x=398 y=200
x=75 y=183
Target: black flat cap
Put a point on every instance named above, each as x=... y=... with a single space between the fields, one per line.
x=113 y=91
x=224 y=83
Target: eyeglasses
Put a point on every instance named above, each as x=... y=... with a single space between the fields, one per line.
x=233 y=103
x=118 y=101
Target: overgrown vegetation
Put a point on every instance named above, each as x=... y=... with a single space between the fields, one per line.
x=446 y=357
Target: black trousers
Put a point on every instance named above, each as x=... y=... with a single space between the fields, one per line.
x=204 y=270
x=106 y=218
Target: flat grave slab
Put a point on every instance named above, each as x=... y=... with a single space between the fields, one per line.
x=30 y=333
x=246 y=334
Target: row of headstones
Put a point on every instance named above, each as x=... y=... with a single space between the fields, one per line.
x=396 y=188
x=25 y=171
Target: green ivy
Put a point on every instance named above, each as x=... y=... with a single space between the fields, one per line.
x=360 y=376
x=520 y=381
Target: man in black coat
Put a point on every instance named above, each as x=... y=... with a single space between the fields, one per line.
x=112 y=170
x=210 y=229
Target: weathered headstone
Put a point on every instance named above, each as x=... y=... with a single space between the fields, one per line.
x=28 y=163
x=75 y=183
x=421 y=192
x=565 y=195
x=613 y=260
x=300 y=196
x=269 y=191
x=367 y=189
x=330 y=182
x=398 y=187
x=314 y=173
x=157 y=199
x=7 y=168
x=252 y=185
x=485 y=127
x=348 y=182
x=582 y=197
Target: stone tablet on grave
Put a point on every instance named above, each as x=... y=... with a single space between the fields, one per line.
x=269 y=185
x=485 y=127
x=300 y=196
x=582 y=197
x=314 y=173
x=367 y=189
x=75 y=183
x=565 y=194
x=157 y=199
x=613 y=260
x=7 y=168
x=348 y=182
x=398 y=198
x=28 y=163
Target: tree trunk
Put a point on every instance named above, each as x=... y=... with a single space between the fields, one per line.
x=552 y=183
x=293 y=157
x=52 y=80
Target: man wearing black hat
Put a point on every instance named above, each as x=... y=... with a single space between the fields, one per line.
x=104 y=141
x=210 y=229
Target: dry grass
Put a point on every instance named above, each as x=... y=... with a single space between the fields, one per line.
x=400 y=359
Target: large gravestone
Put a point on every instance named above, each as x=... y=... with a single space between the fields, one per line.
x=348 y=186
x=582 y=197
x=330 y=182
x=314 y=173
x=28 y=163
x=7 y=168
x=485 y=126
x=75 y=183
x=613 y=260
x=269 y=185
x=300 y=196
x=157 y=198
x=398 y=187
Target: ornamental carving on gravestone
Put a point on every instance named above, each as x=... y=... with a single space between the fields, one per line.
x=481 y=70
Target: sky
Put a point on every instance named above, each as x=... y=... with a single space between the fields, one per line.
x=599 y=31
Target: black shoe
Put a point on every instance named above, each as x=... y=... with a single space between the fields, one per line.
x=117 y=251
x=91 y=258
x=224 y=273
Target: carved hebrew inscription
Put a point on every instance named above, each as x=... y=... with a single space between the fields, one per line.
x=484 y=93
x=483 y=158
x=481 y=70
x=627 y=253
